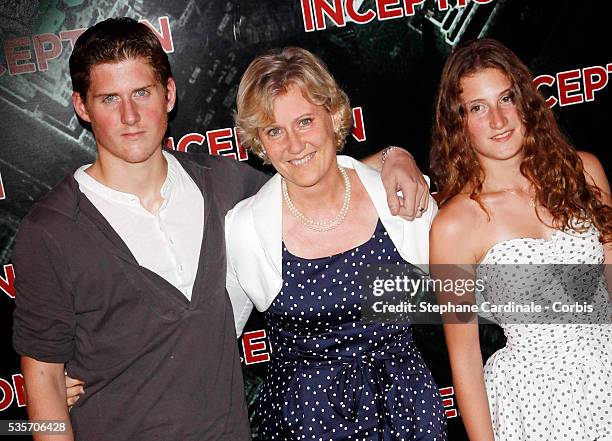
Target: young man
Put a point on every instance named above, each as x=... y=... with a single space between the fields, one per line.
x=121 y=267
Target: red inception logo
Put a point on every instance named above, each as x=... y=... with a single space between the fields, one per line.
x=7 y=281
x=575 y=86
x=358 y=127
x=2 y=193
x=448 y=402
x=27 y=55
x=255 y=347
x=339 y=12
x=11 y=391
x=225 y=142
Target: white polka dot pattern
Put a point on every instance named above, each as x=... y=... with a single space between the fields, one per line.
x=551 y=381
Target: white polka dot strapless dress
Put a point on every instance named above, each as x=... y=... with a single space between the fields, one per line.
x=552 y=381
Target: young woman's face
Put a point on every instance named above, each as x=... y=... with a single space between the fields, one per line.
x=493 y=122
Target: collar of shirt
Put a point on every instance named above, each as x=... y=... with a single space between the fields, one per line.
x=113 y=195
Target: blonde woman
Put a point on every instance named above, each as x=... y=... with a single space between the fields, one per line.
x=296 y=252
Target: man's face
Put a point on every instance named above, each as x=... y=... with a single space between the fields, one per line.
x=127 y=108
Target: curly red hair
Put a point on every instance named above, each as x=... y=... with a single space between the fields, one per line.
x=550 y=162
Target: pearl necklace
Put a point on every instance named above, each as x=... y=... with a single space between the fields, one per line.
x=320 y=226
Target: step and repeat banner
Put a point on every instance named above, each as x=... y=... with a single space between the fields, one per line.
x=386 y=54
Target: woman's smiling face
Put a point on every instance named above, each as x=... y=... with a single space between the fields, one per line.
x=301 y=141
x=494 y=124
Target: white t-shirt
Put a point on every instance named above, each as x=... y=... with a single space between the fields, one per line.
x=168 y=242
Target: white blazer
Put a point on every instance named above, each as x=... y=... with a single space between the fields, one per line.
x=253 y=238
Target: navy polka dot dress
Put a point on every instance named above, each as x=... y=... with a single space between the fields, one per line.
x=332 y=377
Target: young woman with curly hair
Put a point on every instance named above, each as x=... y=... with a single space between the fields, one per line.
x=514 y=191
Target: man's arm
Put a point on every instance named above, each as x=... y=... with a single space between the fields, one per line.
x=400 y=172
x=46 y=396
x=43 y=322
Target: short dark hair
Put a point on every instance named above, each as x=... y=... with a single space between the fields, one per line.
x=114 y=40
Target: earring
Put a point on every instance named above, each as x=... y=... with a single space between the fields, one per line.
x=264 y=156
x=261 y=151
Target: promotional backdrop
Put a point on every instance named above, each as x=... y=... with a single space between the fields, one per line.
x=386 y=54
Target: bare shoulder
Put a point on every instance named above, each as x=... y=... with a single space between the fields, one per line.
x=454 y=232
x=594 y=171
x=457 y=216
x=589 y=160
x=592 y=166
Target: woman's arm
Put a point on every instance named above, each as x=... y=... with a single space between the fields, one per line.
x=449 y=247
x=241 y=304
x=466 y=363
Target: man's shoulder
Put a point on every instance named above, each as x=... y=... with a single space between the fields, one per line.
x=231 y=180
x=212 y=162
x=61 y=200
x=57 y=209
x=266 y=195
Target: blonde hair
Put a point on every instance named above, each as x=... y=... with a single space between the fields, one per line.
x=269 y=76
